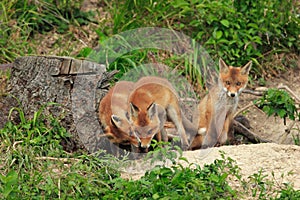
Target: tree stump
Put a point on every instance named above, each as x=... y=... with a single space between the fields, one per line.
x=71 y=83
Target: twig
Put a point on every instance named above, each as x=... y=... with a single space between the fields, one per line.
x=243 y=109
x=289 y=128
x=188 y=99
x=6 y=66
x=254 y=92
x=66 y=160
x=246 y=107
x=249 y=134
x=17 y=142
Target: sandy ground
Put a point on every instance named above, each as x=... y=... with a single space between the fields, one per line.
x=270 y=158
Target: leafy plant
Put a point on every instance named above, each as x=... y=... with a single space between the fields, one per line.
x=288 y=193
x=278 y=103
x=9 y=184
x=44 y=15
x=164 y=152
x=192 y=182
x=237 y=31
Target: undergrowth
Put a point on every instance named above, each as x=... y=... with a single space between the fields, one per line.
x=21 y=20
x=237 y=31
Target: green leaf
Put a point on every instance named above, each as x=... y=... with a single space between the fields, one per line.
x=155 y=196
x=217 y=34
x=225 y=23
x=282 y=113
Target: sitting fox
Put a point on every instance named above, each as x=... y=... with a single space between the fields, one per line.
x=149 y=94
x=216 y=110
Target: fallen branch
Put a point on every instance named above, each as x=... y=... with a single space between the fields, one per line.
x=254 y=138
x=262 y=90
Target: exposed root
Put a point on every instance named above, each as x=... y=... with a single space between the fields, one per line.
x=253 y=137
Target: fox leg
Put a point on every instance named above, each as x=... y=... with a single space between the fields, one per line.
x=164 y=135
x=227 y=133
x=175 y=116
x=200 y=139
x=224 y=135
x=196 y=142
x=158 y=136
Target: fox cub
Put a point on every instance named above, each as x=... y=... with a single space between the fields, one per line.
x=216 y=109
x=149 y=94
x=113 y=115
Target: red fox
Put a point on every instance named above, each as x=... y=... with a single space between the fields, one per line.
x=112 y=114
x=114 y=118
x=216 y=110
x=149 y=94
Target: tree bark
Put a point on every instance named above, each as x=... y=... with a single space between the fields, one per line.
x=76 y=85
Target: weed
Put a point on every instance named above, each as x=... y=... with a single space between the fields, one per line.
x=296 y=138
x=279 y=103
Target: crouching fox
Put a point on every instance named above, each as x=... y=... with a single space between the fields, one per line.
x=113 y=115
x=149 y=94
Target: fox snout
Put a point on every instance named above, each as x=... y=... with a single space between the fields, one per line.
x=145 y=142
x=232 y=94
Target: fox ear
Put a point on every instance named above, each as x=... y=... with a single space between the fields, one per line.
x=152 y=110
x=222 y=66
x=245 y=70
x=117 y=121
x=133 y=110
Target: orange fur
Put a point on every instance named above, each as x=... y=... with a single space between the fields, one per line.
x=216 y=110
x=112 y=114
x=149 y=94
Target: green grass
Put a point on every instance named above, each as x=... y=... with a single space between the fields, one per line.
x=22 y=20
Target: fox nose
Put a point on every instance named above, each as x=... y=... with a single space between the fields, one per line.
x=232 y=94
x=144 y=146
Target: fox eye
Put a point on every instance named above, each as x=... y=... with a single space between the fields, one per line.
x=238 y=83
x=150 y=132
x=227 y=82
